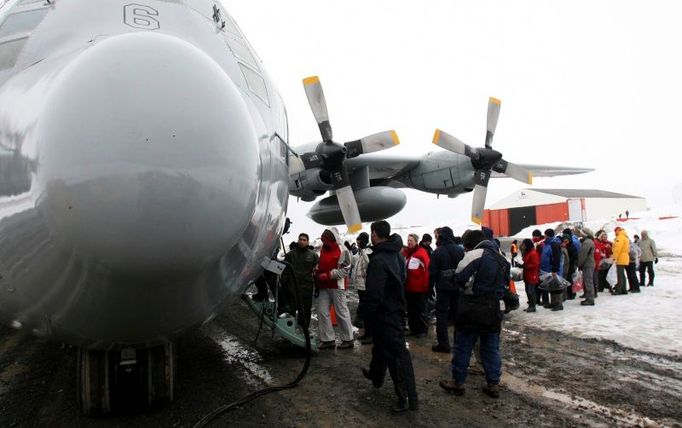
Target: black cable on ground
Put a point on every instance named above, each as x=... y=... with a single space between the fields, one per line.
x=308 y=353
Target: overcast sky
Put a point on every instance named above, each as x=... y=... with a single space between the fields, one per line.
x=583 y=83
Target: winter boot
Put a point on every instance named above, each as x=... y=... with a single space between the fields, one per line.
x=492 y=390
x=451 y=385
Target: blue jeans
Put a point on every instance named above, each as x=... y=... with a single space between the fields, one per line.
x=490 y=355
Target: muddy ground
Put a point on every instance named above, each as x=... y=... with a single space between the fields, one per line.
x=550 y=379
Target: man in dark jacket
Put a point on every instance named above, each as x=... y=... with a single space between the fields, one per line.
x=441 y=275
x=482 y=275
x=303 y=260
x=587 y=266
x=572 y=246
x=384 y=309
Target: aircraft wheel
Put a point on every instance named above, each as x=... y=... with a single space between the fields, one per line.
x=93 y=381
x=161 y=374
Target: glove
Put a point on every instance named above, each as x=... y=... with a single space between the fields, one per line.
x=656 y=261
x=316 y=293
x=322 y=277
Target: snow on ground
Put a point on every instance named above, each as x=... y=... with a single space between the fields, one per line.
x=649 y=321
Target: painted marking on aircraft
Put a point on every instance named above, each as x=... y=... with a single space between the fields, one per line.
x=141 y=17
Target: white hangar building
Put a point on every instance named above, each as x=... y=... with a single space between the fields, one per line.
x=529 y=207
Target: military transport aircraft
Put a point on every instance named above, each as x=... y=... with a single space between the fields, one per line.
x=145 y=168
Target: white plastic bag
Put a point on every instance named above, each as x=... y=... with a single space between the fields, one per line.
x=612 y=275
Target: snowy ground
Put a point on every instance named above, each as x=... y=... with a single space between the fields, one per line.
x=650 y=321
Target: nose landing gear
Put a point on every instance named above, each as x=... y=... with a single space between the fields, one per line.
x=125 y=378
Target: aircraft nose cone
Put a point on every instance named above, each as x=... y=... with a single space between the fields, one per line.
x=148 y=155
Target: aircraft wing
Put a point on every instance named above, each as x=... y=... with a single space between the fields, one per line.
x=383 y=166
x=547 y=171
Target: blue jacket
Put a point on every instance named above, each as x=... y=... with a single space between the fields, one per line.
x=490 y=270
x=444 y=261
x=550 y=259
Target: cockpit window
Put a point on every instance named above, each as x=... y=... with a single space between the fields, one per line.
x=9 y=52
x=256 y=83
x=22 y=22
x=241 y=50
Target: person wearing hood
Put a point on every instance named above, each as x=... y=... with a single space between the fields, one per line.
x=445 y=259
x=621 y=257
x=586 y=264
x=358 y=280
x=649 y=257
x=330 y=280
x=481 y=276
x=417 y=286
x=572 y=247
x=384 y=309
x=631 y=271
x=551 y=262
x=303 y=261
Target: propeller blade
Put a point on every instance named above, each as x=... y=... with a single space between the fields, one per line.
x=349 y=209
x=298 y=164
x=318 y=104
x=448 y=142
x=481 y=179
x=371 y=144
x=514 y=171
x=493 y=115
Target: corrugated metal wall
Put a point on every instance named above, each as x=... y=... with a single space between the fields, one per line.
x=499 y=220
x=551 y=213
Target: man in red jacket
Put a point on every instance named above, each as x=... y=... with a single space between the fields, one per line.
x=417 y=286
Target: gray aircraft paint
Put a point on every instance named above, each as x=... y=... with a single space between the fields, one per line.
x=144 y=170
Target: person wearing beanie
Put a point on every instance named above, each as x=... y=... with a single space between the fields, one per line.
x=358 y=281
x=444 y=261
x=572 y=247
x=330 y=280
x=425 y=243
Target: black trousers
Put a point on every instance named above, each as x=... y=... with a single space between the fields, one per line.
x=360 y=314
x=646 y=267
x=389 y=352
x=417 y=318
x=445 y=301
x=633 y=282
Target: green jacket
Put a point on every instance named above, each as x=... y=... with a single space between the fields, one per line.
x=303 y=261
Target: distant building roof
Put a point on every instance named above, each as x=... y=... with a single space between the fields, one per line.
x=585 y=193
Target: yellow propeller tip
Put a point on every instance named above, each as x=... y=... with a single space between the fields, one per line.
x=354 y=228
x=436 y=136
x=476 y=220
x=495 y=101
x=311 y=80
x=394 y=138
x=530 y=178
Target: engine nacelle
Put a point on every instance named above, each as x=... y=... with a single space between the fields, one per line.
x=310 y=184
x=442 y=173
x=374 y=203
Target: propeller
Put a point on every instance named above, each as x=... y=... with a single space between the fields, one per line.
x=484 y=160
x=330 y=156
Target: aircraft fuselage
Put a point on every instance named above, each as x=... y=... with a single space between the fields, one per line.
x=143 y=174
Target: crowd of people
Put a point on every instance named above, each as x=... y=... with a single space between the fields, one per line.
x=462 y=281
x=586 y=262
